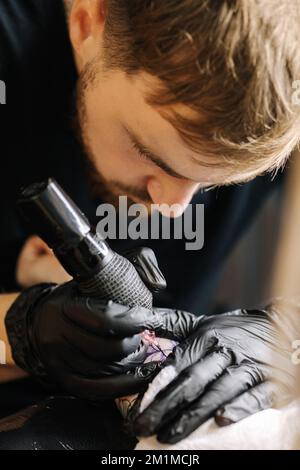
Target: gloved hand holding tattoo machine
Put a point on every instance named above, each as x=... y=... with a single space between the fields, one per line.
x=72 y=335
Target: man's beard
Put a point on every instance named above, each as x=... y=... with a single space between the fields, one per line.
x=107 y=190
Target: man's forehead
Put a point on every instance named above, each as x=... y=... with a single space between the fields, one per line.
x=212 y=169
x=152 y=126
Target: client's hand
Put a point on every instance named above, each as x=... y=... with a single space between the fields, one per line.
x=229 y=366
x=37 y=263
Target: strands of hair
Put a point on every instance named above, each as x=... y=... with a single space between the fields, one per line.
x=231 y=64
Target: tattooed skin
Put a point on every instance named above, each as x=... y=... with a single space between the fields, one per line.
x=158 y=351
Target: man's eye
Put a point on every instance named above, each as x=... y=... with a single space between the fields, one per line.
x=208 y=188
x=143 y=155
x=139 y=151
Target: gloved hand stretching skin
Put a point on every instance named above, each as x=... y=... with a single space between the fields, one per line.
x=158 y=349
x=89 y=347
x=229 y=366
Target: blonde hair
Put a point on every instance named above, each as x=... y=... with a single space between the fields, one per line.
x=231 y=62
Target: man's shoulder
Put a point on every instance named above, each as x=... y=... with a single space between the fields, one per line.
x=28 y=9
x=19 y=14
x=35 y=53
x=24 y=24
x=37 y=67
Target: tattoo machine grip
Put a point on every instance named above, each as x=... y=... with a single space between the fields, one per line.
x=98 y=270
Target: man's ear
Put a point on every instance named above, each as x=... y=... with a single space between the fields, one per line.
x=86 y=24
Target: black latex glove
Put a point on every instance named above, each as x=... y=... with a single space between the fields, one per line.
x=227 y=368
x=89 y=347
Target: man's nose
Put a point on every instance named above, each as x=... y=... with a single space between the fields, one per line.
x=171 y=193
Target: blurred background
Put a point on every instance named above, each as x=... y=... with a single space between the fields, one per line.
x=247 y=278
x=266 y=262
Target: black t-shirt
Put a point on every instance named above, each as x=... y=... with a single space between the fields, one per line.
x=37 y=141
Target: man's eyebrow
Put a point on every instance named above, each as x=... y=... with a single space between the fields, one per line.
x=144 y=150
